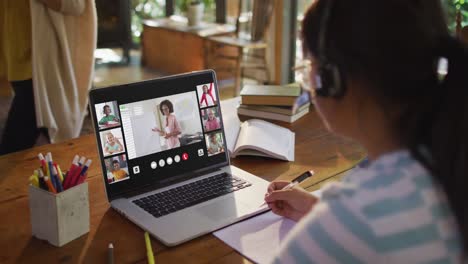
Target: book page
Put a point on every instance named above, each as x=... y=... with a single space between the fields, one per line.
x=231 y=121
x=276 y=141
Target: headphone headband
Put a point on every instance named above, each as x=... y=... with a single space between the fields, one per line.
x=323 y=31
x=331 y=79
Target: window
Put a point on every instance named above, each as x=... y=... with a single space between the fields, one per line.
x=302 y=6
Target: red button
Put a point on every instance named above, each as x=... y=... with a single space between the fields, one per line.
x=185 y=156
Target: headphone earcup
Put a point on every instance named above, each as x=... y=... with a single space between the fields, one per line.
x=330 y=81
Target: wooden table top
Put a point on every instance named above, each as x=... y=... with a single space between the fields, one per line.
x=316 y=149
x=179 y=23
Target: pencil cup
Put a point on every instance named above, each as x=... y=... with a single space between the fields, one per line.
x=59 y=218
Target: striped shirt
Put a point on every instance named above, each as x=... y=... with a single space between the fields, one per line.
x=390 y=212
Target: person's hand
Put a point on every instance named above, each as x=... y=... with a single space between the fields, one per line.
x=166 y=135
x=293 y=203
x=157 y=130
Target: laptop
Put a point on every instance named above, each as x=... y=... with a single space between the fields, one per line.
x=164 y=157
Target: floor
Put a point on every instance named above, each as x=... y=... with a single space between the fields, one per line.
x=109 y=72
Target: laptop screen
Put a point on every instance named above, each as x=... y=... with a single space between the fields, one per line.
x=157 y=132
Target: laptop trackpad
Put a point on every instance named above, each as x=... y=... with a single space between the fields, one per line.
x=223 y=209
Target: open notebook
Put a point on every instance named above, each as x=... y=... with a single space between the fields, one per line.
x=256 y=137
x=261 y=138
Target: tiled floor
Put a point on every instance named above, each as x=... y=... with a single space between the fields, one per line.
x=112 y=74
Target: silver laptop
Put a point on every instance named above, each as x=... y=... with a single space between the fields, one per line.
x=164 y=157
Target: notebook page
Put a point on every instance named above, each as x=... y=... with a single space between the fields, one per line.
x=258 y=238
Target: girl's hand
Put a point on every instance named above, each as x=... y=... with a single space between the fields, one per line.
x=293 y=203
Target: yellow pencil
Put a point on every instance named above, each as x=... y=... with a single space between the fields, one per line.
x=60 y=174
x=149 y=250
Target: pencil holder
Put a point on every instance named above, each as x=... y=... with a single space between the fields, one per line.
x=59 y=218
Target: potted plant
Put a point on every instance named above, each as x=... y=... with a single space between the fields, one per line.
x=195 y=11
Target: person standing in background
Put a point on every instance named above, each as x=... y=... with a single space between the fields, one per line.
x=46 y=52
x=20 y=130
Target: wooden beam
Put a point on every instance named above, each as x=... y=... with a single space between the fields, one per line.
x=220 y=11
x=285 y=40
x=169 y=8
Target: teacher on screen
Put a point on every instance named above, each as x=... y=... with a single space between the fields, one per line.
x=172 y=128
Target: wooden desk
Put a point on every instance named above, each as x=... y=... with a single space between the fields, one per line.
x=315 y=149
x=169 y=45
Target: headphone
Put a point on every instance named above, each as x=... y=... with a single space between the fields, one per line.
x=330 y=80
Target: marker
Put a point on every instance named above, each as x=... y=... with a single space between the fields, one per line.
x=59 y=172
x=59 y=184
x=34 y=181
x=110 y=253
x=82 y=161
x=50 y=171
x=73 y=169
x=49 y=184
x=42 y=183
x=81 y=177
x=149 y=250
x=74 y=162
x=43 y=162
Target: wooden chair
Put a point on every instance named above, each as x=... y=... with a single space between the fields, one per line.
x=464 y=35
x=244 y=50
x=462 y=32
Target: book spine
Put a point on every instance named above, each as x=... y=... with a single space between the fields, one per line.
x=264 y=100
x=267 y=115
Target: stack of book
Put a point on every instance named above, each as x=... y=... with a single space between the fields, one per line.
x=275 y=102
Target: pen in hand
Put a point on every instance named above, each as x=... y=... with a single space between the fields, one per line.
x=295 y=182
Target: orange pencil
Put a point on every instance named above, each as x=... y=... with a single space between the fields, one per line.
x=50 y=185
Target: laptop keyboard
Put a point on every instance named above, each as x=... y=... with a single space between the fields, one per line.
x=163 y=203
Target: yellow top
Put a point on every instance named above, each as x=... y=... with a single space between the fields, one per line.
x=15 y=40
x=119 y=175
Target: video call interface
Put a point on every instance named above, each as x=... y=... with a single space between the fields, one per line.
x=178 y=128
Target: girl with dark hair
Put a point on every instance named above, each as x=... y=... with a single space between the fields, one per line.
x=388 y=74
x=172 y=128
